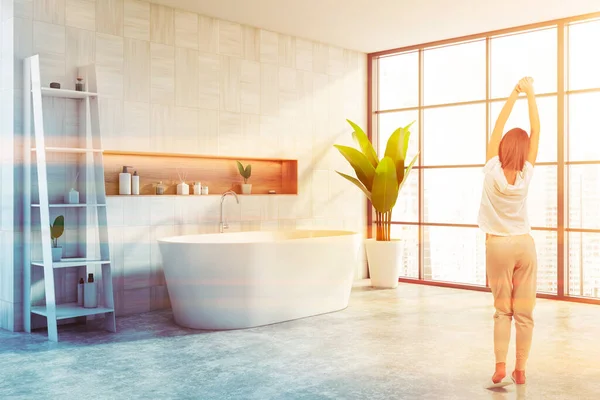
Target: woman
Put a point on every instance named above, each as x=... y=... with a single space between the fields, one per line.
x=511 y=260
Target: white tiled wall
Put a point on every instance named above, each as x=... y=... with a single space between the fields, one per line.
x=10 y=290
x=174 y=81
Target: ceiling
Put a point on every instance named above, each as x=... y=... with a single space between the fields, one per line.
x=374 y=25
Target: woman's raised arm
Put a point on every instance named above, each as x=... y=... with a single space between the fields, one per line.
x=534 y=120
x=494 y=142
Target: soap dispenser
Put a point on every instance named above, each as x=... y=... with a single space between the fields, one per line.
x=125 y=181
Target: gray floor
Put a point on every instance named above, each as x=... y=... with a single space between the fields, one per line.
x=415 y=342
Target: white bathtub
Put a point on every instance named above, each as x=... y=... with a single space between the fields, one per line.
x=248 y=279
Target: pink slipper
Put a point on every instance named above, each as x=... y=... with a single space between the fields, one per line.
x=492 y=385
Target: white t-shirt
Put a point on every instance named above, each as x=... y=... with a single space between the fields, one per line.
x=503 y=210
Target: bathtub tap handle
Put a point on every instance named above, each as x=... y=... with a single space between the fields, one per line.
x=223 y=223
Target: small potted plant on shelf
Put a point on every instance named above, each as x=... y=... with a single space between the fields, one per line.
x=56 y=231
x=245 y=173
x=381 y=181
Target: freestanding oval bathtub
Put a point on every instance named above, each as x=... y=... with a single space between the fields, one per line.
x=247 y=279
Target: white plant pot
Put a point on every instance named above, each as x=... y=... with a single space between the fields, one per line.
x=56 y=253
x=246 y=188
x=384 y=260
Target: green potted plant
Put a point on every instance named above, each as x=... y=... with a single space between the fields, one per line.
x=381 y=181
x=245 y=173
x=56 y=231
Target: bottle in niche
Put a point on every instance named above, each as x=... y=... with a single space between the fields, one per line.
x=183 y=189
x=90 y=298
x=125 y=181
x=135 y=183
x=80 y=286
x=160 y=188
x=72 y=197
x=79 y=84
x=204 y=189
x=197 y=188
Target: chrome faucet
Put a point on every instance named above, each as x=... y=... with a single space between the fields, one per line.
x=223 y=224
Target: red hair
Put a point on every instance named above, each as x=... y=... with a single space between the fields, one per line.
x=513 y=149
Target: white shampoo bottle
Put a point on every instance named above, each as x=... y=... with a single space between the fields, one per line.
x=135 y=183
x=90 y=293
x=125 y=181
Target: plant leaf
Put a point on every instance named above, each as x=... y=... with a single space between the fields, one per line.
x=406 y=139
x=392 y=148
x=248 y=171
x=240 y=168
x=365 y=172
x=385 y=186
x=400 y=170
x=357 y=183
x=365 y=144
x=407 y=127
x=57 y=229
x=408 y=169
x=397 y=147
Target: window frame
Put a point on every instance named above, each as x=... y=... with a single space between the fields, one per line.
x=562 y=164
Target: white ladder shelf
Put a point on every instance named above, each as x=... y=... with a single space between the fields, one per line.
x=94 y=202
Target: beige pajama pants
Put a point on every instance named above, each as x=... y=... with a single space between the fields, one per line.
x=511 y=265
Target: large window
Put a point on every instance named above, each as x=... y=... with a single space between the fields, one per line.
x=582 y=156
x=455 y=92
x=454 y=74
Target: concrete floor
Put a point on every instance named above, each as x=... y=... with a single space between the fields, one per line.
x=416 y=342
